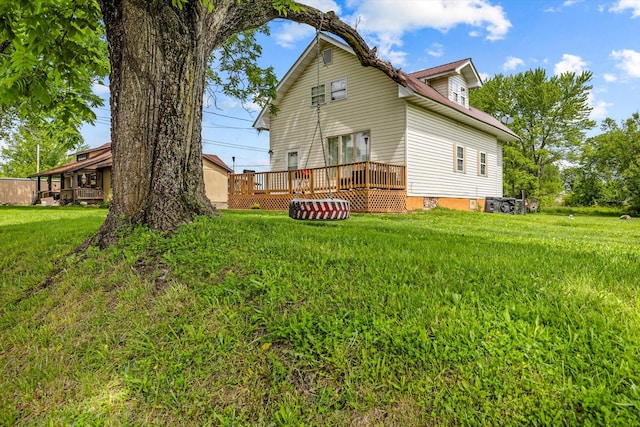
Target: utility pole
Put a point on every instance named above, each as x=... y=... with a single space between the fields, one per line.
x=38 y=159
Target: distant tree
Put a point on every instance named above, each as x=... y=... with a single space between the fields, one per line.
x=550 y=114
x=609 y=166
x=19 y=156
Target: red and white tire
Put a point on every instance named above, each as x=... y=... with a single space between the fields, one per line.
x=319 y=209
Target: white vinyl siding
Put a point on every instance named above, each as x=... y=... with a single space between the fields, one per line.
x=441 y=85
x=430 y=157
x=372 y=105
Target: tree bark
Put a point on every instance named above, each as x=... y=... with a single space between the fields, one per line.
x=158 y=55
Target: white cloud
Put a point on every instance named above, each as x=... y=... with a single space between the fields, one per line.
x=628 y=61
x=609 y=78
x=484 y=77
x=567 y=3
x=599 y=108
x=100 y=89
x=393 y=16
x=512 y=63
x=385 y=22
x=570 y=64
x=436 y=50
x=292 y=32
x=623 y=5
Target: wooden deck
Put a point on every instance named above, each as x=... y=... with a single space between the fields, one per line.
x=369 y=187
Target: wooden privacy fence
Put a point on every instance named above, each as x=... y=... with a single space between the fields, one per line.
x=369 y=186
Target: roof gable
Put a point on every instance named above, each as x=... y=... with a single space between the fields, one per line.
x=414 y=87
x=463 y=67
x=217 y=161
x=307 y=57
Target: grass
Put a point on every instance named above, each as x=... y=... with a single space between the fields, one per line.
x=432 y=318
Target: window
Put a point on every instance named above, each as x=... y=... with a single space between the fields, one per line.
x=317 y=95
x=333 y=144
x=458 y=94
x=292 y=160
x=339 y=89
x=482 y=164
x=81 y=157
x=459 y=161
x=362 y=146
x=349 y=148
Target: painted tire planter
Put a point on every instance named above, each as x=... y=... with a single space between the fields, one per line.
x=319 y=209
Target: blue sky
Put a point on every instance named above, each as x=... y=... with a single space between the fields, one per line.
x=508 y=37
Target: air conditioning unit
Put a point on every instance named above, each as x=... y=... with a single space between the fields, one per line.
x=492 y=204
x=506 y=205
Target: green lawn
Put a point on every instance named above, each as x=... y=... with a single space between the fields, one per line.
x=432 y=318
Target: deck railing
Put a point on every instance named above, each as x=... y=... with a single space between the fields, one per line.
x=362 y=175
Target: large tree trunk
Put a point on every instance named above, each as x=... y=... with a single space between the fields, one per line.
x=158 y=62
x=159 y=53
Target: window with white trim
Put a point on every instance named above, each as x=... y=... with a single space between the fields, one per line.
x=292 y=160
x=458 y=93
x=317 y=95
x=459 y=159
x=482 y=163
x=339 y=89
x=349 y=148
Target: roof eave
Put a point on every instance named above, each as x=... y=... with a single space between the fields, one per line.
x=453 y=113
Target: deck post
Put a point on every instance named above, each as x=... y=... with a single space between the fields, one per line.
x=367 y=180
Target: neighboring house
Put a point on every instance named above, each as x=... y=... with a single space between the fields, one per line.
x=88 y=179
x=450 y=154
x=216 y=180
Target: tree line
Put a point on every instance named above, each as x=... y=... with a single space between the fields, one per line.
x=554 y=156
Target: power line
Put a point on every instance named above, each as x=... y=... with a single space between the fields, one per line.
x=226 y=127
x=231 y=145
x=228 y=117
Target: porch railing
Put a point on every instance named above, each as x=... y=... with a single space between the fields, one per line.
x=362 y=175
x=87 y=193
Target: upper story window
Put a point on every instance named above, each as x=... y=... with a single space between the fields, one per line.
x=339 y=89
x=81 y=157
x=458 y=93
x=317 y=95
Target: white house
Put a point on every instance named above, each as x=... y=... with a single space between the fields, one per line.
x=450 y=154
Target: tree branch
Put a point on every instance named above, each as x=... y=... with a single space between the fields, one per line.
x=331 y=23
x=259 y=12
